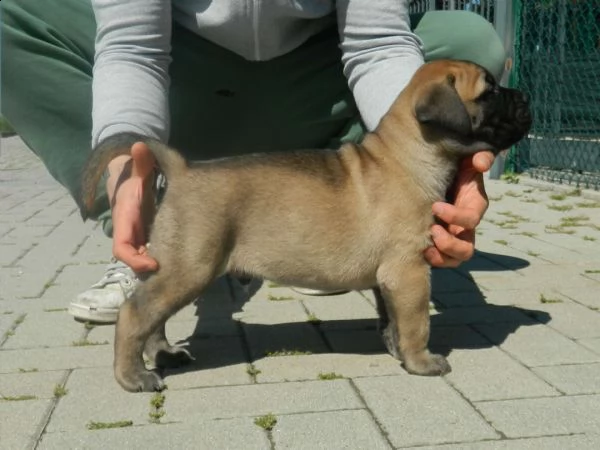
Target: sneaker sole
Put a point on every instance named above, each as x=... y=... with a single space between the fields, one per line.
x=85 y=314
x=318 y=293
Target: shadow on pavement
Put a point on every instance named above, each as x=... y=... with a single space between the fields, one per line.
x=463 y=320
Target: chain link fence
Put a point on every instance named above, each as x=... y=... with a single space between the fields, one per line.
x=555 y=47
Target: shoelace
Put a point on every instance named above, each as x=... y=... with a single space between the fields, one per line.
x=116 y=272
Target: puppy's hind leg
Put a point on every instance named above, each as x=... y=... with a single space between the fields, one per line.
x=404 y=290
x=143 y=315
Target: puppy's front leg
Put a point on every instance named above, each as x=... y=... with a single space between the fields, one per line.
x=162 y=354
x=404 y=290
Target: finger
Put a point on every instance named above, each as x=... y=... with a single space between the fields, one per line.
x=482 y=161
x=467 y=218
x=460 y=248
x=129 y=255
x=437 y=259
x=143 y=160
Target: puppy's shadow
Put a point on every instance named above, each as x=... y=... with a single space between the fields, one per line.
x=462 y=320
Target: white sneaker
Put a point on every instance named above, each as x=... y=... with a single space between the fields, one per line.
x=317 y=292
x=102 y=301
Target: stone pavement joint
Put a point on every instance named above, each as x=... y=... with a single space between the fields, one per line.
x=519 y=323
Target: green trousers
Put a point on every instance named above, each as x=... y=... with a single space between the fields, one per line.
x=221 y=104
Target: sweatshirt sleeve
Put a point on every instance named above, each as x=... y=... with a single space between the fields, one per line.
x=131 y=79
x=380 y=53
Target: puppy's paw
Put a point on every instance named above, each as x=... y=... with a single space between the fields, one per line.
x=173 y=357
x=143 y=381
x=427 y=364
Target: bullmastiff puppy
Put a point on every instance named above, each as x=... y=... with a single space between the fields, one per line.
x=355 y=218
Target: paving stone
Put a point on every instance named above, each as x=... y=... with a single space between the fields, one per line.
x=537 y=345
x=46 y=329
x=572 y=379
x=219 y=361
x=422 y=410
x=570 y=442
x=592 y=344
x=587 y=296
x=485 y=374
x=480 y=314
x=573 y=320
x=355 y=341
x=56 y=358
x=20 y=422
x=341 y=310
x=9 y=253
x=328 y=430
x=213 y=434
x=544 y=416
x=528 y=297
x=193 y=405
x=308 y=367
x=294 y=336
x=446 y=280
x=95 y=395
x=38 y=384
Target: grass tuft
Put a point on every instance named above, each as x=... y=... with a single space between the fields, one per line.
x=105 y=425
x=279 y=298
x=85 y=343
x=329 y=376
x=285 y=352
x=60 y=391
x=266 y=422
x=18 y=398
x=544 y=299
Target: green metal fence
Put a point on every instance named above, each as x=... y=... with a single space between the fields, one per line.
x=555 y=47
x=557 y=62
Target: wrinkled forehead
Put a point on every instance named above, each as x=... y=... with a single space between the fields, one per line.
x=472 y=81
x=469 y=80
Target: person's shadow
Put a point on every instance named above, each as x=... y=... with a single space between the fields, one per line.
x=461 y=313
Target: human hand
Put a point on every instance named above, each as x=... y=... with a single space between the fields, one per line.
x=456 y=243
x=130 y=190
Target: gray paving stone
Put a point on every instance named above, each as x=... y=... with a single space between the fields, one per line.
x=20 y=422
x=572 y=379
x=328 y=430
x=422 y=410
x=308 y=367
x=486 y=374
x=537 y=345
x=480 y=315
x=46 y=329
x=529 y=298
x=588 y=296
x=194 y=405
x=355 y=341
x=56 y=358
x=340 y=310
x=94 y=395
x=592 y=344
x=544 y=416
x=289 y=336
x=214 y=434
x=571 y=442
x=573 y=320
x=218 y=362
x=39 y=384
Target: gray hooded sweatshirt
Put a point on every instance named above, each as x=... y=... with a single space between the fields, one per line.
x=379 y=51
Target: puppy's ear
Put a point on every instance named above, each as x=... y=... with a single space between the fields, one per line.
x=441 y=106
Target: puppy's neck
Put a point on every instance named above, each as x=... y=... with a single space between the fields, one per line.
x=431 y=168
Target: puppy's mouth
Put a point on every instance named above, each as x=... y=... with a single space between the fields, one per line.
x=505 y=120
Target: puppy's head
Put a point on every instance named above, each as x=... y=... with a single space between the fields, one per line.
x=461 y=106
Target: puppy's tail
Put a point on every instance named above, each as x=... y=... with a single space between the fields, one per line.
x=169 y=161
